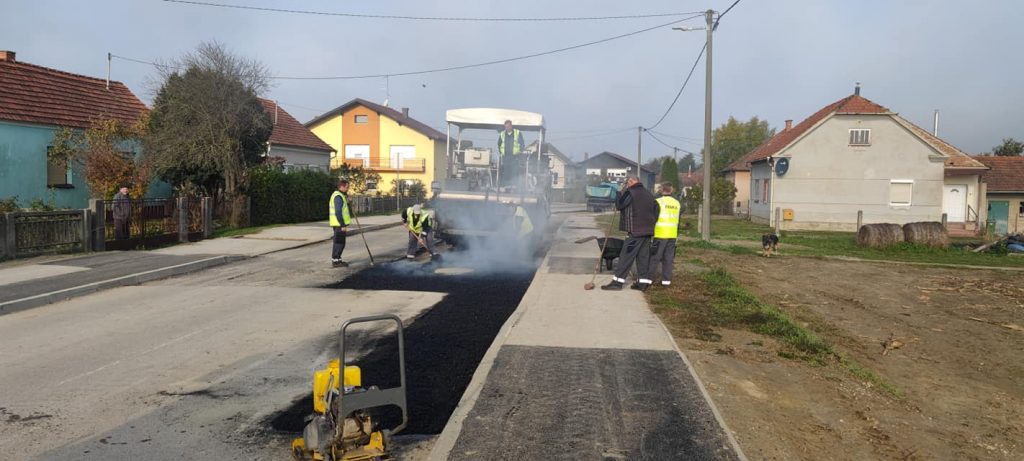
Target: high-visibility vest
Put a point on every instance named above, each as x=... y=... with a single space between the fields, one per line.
x=526 y=226
x=345 y=215
x=667 y=226
x=515 y=142
x=417 y=226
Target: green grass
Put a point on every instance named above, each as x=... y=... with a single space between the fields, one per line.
x=725 y=228
x=236 y=232
x=730 y=305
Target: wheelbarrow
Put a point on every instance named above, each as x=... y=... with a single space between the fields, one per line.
x=609 y=251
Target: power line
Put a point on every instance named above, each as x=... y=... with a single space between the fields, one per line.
x=435 y=18
x=668 y=145
x=597 y=135
x=451 y=68
x=681 y=88
x=723 y=14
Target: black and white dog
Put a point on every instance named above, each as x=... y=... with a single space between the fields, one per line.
x=769 y=244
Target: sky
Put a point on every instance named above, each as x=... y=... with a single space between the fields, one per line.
x=776 y=60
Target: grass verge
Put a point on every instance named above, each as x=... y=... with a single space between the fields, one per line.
x=716 y=299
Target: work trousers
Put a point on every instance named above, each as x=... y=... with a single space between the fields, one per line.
x=635 y=249
x=428 y=239
x=663 y=251
x=340 y=234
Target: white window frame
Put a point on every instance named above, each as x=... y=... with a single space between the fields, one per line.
x=399 y=153
x=365 y=117
x=901 y=181
x=593 y=172
x=358 y=155
x=867 y=142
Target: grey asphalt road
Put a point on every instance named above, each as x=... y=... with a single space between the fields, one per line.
x=185 y=368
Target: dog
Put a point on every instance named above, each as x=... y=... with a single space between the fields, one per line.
x=769 y=244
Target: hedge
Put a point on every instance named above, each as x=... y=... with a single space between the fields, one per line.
x=279 y=197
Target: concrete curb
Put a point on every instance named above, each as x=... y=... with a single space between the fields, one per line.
x=131 y=279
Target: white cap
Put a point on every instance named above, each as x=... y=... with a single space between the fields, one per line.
x=416 y=209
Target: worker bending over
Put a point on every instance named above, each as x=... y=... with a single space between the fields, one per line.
x=417 y=222
x=663 y=247
x=510 y=144
x=638 y=212
x=340 y=217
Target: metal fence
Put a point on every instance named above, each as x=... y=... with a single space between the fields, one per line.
x=364 y=205
x=27 y=233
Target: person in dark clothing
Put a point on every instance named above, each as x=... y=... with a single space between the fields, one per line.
x=638 y=213
x=340 y=217
x=122 y=211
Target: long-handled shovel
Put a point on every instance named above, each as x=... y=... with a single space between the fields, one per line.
x=597 y=268
x=419 y=239
x=363 y=235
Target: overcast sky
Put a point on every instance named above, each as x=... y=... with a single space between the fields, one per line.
x=773 y=59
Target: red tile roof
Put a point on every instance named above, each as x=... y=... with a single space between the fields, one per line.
x=289 y=132
x=1006 y=174
x=851 y=105
x=36 y=94
x=393 y=114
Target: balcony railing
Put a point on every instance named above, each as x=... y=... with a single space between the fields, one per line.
x=410 y=165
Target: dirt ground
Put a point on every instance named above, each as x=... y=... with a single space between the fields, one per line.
x=959 y=375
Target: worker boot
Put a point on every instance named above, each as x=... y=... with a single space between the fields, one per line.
x=640 y=286
x=338 y=263
x=612 y=286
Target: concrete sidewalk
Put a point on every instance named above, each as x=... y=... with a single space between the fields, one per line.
x=26 y=284
x=578 y=374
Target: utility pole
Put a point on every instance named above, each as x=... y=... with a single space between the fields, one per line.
x=109 y=57
x=639 y=149
x=675 y=154
x=705 y=225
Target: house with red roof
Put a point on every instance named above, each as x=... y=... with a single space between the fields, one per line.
x=35 y=101
x=1004 y=193
x=291 y=141
x=857 y=156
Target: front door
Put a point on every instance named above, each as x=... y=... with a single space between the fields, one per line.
x=999 y=211
x=954 y=202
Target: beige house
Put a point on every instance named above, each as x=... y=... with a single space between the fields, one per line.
x=855 y=156
x=1004 y=194
x=563 y=174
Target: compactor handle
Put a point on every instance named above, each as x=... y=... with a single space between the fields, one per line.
x=370 y=398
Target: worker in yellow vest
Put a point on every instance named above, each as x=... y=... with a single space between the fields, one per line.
x=522 y=222
x=418 y=223
x=666 y=229
x=340 y=217
x=510 y=144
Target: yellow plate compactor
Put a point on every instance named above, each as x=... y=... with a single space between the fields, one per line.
x=341 y=427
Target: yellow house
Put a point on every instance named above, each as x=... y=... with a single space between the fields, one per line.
x=383 y=139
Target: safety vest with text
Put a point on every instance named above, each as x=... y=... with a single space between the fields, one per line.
x=515 y=142
x=345 y=215
x=416 y=225
x=667 y=226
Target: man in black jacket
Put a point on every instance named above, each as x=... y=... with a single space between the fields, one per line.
x=638 y=212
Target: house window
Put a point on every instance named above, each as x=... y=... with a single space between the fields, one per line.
x=593 y=172
x=554 y=178
x=357 y=154
x=765 y=191
x=757 y=191
x=361 y=119
x=860 y=137
x=900 y=192
x=58 y=173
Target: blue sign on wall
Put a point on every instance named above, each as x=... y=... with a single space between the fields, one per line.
x=781 y=166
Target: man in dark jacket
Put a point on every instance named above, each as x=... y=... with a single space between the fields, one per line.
x=638 y=213
x=122 y=212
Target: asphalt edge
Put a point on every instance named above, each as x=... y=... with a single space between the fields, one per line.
x=125 y=280
x=453 y=428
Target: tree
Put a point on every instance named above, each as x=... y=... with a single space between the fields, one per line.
x=687 y=163
x=104 y=150
x=1009 y=148
x=654 y=164
x=207 y=126
x=735 y=139
x=359 y=178
x=722 y=194
x=670 y=173
x=409 y=188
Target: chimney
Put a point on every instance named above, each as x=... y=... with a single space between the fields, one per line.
x=7 y=56
x=856 y=89
x=789 y=125
x=275 y=113
x=405 y=112
x=586 y=156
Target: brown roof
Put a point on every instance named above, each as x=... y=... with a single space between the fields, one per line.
x=393 y=114
x=1006 y=174
x=289 y=132
x=36 y=94
x=850 y=105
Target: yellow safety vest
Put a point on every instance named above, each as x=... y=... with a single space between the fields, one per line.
x=414 y=225
x=526 y=227
x=515 y=142
x=345 y=215
x=667 y=226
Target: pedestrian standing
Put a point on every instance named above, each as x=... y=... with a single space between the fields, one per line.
x=666 y=230
x=417 y=220
x=122 y=211
x=340 y=217
x=638 y=212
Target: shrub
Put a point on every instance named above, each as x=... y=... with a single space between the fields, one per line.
x=9 y=204
x=279 y=197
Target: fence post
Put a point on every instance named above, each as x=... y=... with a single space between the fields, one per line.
x=944 y=217
x=182 y=219
x=11 y=242
x=860 y=219
x=778 y=219
x=700 y=214
x=86 y=231
x=99 y=224
x=207 y=217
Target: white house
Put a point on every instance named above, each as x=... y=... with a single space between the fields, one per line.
x=290 y=140
x=857 y=156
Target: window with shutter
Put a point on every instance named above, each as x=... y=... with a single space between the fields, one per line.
x=901 y=192
x=860 y=137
